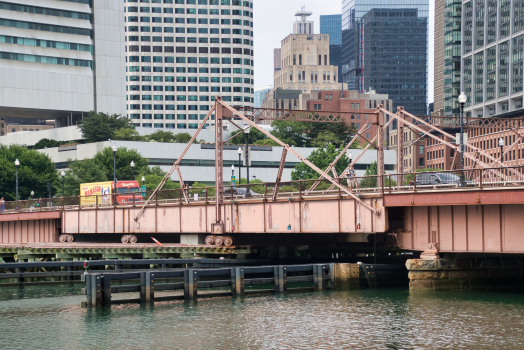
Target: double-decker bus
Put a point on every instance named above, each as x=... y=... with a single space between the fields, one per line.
x=102 y=193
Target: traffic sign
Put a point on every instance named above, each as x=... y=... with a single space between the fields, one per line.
x=143 y=191
x=233 y=181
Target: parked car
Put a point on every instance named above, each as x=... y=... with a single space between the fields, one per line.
x=240 y=193
x=435 y=179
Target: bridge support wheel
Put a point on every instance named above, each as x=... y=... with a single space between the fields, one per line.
x=219 y=240
x=124 y=239
x=133 y=239
x=62 y=238
x=70 y=238
x=210 y=240
x=228 y=241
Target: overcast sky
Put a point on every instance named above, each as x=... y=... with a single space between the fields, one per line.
x=274 y=21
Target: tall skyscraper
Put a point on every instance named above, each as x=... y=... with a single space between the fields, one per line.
x=183 y=53
x=305 y=67
x=61 y=59
x=352 y=13
x=393 y=57
x=492 y=56
x=332 y=25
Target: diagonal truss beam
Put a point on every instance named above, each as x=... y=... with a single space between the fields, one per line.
x=279 y=175
x=296 y=154
x=332 y=165
x=239 y=128
x=176 y=167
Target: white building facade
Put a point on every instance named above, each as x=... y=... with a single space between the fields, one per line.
x=60 y=59
x=181 y=54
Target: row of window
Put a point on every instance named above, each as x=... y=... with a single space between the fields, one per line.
x=202 y=70
x=189 y=89
x=44 y=11
x=45 y=43
x=182 y=30
x=45 y=59
x=182 y=98
x=202 y=50
x=170 y=39
x=224 y=80
x=200 y=2
x=170 y=59
x=147 y=116
x=45 y=27
x=172 y=107
x=181 y=20
x=168 y=125
x=189 y=11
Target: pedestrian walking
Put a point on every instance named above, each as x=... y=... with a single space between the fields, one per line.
x=351 y=178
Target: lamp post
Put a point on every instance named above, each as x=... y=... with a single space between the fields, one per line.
x=462 y=100
x=247 y=155
x=132 y=170
x=63 y=178
x=17 y=164
x=239 y=164
x=501 y=145
x=114 y=165
x=143 y=180
x=32 y=194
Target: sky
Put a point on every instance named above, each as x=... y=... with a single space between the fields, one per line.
x=273 y=21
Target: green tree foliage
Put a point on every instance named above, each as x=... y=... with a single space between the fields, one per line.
x=266 y=142
x=124 y=157
x=127 y=134
x=290 y=132
x=325 y=138
x=35 y=171
x=200 y=188
x=305 y=134
x=46 y=143
x=182 y=137
x=320 y=157
x=254 y=185
x=240 y=138
x=161 y=136
x=101 y=126
x=79 y=172
x=370 y=181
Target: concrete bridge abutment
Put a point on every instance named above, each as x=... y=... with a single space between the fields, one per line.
x=469 y=273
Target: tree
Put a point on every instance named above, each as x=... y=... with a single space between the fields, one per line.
x=240 y=138
x=183 y=137
x=101 y=126
x=161 y=136
x=343 y=132
x=370 y=181
x=124 y=157
x=35 y=171
x=127 y=134
x=79 y=172
x=46 y=143
x=266 y=142
x=290 y=132
x=325 y=138
x=320 y=157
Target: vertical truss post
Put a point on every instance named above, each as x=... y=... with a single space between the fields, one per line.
x=380 y=149
x=280 y=171
x=219 y=161
x=400 y=145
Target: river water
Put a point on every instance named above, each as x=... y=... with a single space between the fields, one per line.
x=50 y=317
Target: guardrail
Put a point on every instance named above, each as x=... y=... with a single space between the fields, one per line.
x=511 y=176
x=99 y=290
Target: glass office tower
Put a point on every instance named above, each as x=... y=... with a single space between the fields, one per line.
x=332 y=25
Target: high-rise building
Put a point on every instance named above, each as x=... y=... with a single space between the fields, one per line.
x=181 y=54
x=492 y=56
x=393 y=57
x=61 y=59
x=447 y=57
x=260 y=94
x=352 y=13
x=305 y=67
x=277 y=59
x=332 y=25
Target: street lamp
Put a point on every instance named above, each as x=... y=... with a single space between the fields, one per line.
x=32 y=194
x=17 y=164
x=239 y=164
x=247 y=154
x=63 y=178
x=132 y=170
x=114 y=165
x=501 y=145
x=143 y=180
x=462 y=100
x=350 y=157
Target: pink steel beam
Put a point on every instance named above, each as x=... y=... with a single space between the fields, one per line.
x=332 y=165
x=279 y=175
x=296 y=154
x=232 y=137
x=175 y=167
x=219 y=161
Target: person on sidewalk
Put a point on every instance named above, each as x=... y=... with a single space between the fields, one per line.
x=2 y=202
x=351 y=178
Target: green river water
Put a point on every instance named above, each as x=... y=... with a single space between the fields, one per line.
x=50 y=317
